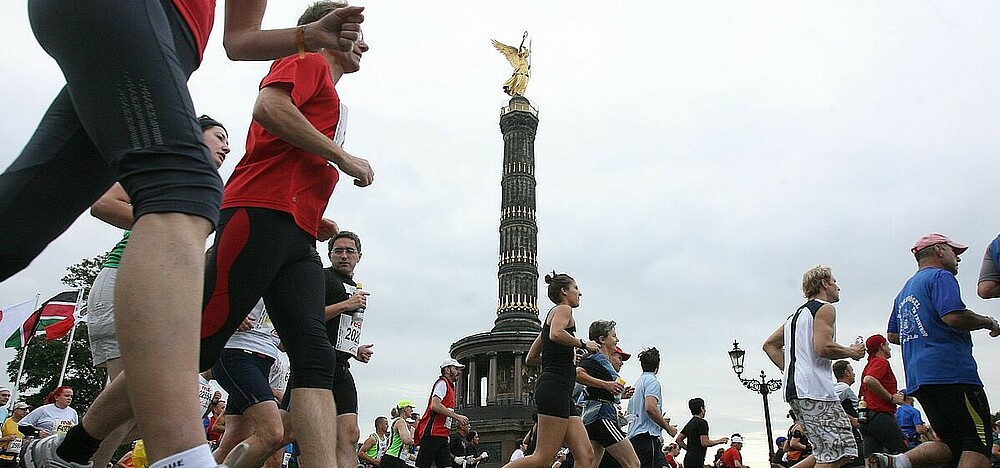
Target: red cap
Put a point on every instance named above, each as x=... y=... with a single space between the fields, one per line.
x=873 y=343
x=625 y=356
x=935 y=239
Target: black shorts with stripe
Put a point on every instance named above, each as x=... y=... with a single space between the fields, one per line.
x=605 y=432
x=960 y=415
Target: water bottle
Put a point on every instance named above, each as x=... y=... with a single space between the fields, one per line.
x=359 y=314
x=862 y=411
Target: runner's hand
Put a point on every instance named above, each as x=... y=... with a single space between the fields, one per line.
x=359 y=169
x=357 y=300
x=365 y=353
x=338 y=30
x=327 y=229
x=994 y=328
x=246 y=325
x=857 y=351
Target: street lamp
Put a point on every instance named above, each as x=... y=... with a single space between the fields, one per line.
x=761 y=386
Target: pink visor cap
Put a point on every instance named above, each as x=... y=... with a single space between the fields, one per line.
x=934 y=239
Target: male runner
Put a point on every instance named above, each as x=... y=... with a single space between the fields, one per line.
x=126 y=115
x=345 y=301
x=272 y=216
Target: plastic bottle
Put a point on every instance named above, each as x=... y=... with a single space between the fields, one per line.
x=862 y=411
x=359 y=314
x=139 y=455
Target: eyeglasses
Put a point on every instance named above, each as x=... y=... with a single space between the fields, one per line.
x=341 y=251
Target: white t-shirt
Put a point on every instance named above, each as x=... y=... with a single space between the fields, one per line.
x=261 y=338
x=51 y=418
x=440 y=389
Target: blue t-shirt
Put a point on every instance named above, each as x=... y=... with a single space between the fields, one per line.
x=647 y=385
x=933 y=351
x=908 y=418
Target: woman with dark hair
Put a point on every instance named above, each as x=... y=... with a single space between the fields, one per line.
x=54 y=417
x=553 y=349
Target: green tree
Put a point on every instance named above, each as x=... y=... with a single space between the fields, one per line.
x=45 y=358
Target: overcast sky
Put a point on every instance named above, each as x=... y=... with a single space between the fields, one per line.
x=693 y=159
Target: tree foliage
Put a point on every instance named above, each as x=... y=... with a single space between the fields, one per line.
x=83 y=274
x=44 y=358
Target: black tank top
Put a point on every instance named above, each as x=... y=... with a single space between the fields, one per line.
x=557 y=359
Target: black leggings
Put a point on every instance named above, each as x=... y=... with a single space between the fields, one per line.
x=125 y=114
x=263 y=253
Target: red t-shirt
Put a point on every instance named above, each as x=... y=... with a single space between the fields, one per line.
x=731 y=456
x=199 y=16
x=277 y=175
x=878 y=367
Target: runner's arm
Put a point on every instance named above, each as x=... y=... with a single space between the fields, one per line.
x=649 y=405
x=534 y=357
x=114 y=208
x=874 y=385
x=774 y=347
x=363 y=451
x=244 y=39
x=404 y=431
x=586 y=379
x=967 y=320
x=679 y=439
x=276 y=112
x=823 y=342
x=439 y=408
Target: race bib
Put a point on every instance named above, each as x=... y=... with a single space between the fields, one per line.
x=340 y=134
x=14 y=446
x=349 y=332
x=64 y=426
x=204 y=394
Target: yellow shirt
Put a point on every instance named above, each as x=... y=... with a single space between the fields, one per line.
x=9 y=427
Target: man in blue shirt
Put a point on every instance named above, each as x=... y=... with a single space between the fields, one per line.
x=910 y=422
x=645 y=409
x=932 y=324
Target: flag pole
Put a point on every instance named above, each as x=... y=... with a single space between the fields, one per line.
x=24 y=354
x=72 y=333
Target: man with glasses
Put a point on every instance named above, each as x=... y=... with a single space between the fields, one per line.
x=344 y=314
x=933 y=326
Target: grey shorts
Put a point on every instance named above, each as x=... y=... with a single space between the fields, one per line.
x=101 y=318
x=828 y=428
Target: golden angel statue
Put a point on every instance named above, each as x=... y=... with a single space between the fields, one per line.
x=520 y=59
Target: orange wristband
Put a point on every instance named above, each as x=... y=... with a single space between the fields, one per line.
x=300 y=41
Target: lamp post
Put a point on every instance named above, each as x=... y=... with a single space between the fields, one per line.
x=761 y=386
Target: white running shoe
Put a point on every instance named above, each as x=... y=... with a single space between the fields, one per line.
x=41 y=453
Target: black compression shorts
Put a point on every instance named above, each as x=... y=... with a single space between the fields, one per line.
x=124 y=115
x=263 y=253
x=960 y=415
x=554 y=398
